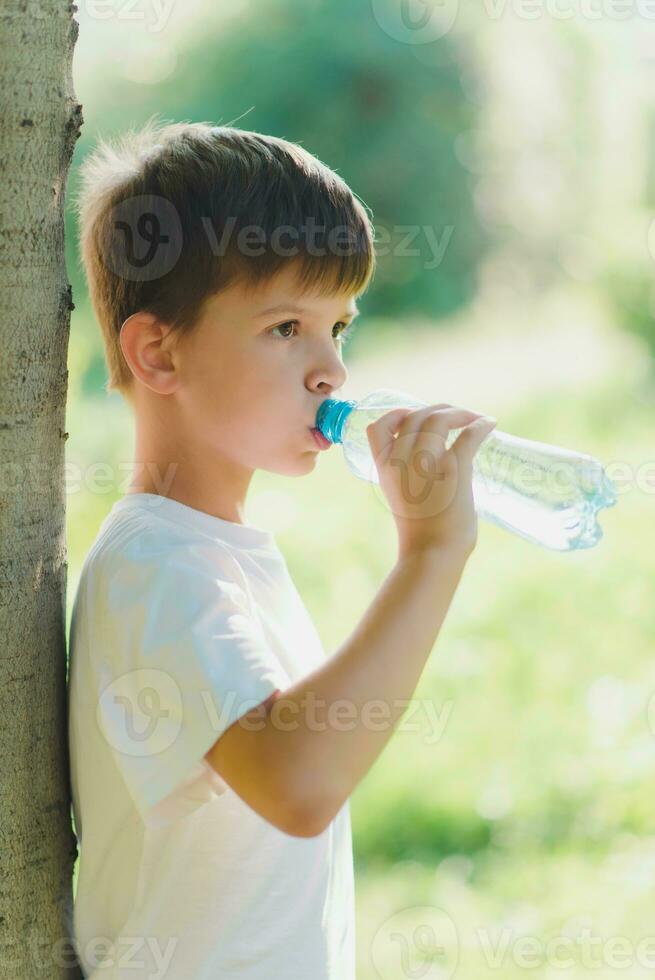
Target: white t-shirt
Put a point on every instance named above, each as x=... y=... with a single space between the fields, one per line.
x=182 y=623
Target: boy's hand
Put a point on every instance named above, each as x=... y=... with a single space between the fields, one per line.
x=427 y=486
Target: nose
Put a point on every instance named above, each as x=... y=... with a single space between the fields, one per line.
x=328 y=379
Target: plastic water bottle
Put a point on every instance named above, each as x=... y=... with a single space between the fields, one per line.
x=543 y=493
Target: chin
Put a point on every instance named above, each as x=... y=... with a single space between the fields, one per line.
x=304 y=463
x=299 y=465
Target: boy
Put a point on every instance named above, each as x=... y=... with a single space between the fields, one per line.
x=210 y=781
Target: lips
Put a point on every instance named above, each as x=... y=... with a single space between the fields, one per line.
x=320 y=439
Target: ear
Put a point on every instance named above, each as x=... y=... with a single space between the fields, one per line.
x=143 y=340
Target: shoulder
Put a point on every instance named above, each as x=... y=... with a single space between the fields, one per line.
x=148 y=550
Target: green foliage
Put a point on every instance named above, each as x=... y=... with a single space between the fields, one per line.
x=630 y=288
x=384 y=117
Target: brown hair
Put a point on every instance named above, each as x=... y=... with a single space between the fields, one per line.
x=212 y=204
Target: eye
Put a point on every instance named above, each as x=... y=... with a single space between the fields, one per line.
x=281 y=326
x=344 y=332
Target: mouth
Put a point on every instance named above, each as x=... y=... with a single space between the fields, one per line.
x=320 y=439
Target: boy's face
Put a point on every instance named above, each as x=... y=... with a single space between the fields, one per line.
x=249 y=383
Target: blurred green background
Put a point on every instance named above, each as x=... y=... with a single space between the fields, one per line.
x=520 y=142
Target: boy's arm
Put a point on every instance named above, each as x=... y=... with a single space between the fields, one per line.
x=299 y=763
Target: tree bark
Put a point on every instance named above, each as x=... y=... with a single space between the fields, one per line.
x=39 y=125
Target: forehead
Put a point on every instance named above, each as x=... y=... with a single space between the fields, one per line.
x=283 y=293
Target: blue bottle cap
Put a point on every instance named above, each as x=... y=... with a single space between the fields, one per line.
x=331 y=417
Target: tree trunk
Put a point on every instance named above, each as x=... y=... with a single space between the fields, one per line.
x=39 y=124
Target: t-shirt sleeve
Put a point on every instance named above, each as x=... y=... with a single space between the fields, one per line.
x=181 y=657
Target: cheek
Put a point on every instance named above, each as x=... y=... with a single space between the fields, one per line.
x=246 y=405
x=222 y=384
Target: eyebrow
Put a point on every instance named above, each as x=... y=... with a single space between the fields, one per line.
x=298 y=310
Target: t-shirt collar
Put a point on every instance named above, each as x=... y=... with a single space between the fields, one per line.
x=239 y=535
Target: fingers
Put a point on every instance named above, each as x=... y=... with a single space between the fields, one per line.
x=381 y=432
x=434 y=419
x=468 y=441
x=438 y=421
